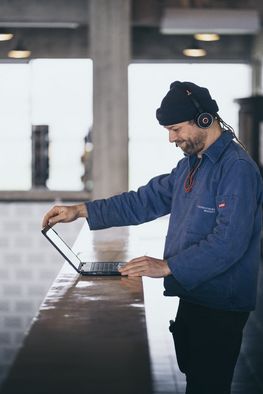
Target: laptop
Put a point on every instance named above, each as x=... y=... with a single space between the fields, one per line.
x=83 y=268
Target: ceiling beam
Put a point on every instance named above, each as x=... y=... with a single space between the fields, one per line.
x=47 y=11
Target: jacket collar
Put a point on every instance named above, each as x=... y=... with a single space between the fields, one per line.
x=215 y=150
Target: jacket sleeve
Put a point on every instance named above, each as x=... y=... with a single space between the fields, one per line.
x=149 y=202
x=238 y=204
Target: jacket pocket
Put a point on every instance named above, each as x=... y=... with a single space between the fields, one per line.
x=201 y=216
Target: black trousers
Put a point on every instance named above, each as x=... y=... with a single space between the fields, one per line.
x=207 y=344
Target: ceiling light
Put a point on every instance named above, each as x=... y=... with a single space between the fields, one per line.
x=194 y=50
x=19 y=52
x=5 y=35
x=207 y=36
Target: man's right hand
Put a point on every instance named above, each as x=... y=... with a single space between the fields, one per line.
x=64 y=214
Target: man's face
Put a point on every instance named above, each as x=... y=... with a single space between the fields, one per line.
x=190 y=138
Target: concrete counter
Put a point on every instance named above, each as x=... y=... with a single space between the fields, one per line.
x=90 y=333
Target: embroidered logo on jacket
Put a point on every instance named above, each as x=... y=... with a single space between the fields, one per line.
x=206 y=209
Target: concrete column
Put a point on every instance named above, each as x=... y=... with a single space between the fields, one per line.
x=256 y=77
x=110 y=52
x=257 y=64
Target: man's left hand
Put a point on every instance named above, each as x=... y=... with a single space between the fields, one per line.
x=146 y=266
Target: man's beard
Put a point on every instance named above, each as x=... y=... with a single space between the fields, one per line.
x=191 y=147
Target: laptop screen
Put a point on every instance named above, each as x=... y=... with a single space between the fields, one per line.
x=61 y=246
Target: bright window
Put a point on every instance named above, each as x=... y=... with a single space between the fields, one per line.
x=53 y=92
x=15 y=128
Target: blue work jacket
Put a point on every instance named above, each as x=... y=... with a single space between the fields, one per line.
x=213 y=240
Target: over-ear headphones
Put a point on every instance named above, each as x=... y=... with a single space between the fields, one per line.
x=203 y=119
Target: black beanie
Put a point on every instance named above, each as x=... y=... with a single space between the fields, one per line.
x=177 y=106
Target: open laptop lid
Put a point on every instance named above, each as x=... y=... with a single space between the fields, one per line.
x=62 y=247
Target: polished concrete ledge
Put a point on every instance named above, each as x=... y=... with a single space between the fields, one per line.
x=42 y=194
x=90 y=333
x=89 y=336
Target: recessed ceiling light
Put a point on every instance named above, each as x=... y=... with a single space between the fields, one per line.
x=19 y=52
x=194 y=50
x=5 y=35
x=207 y=36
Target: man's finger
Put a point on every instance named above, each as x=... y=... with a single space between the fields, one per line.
x=133 y=273
x=57 y=219
x=48 y=218
x=135 y=262
x=131 y=266
x=135 y=269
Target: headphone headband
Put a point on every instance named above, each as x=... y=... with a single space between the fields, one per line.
x=203 y=119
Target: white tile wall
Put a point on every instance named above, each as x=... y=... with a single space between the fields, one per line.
x=28 y=266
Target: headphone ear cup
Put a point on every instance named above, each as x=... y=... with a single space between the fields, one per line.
x=204 y=120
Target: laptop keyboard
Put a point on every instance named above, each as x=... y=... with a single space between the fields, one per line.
x=102 y=267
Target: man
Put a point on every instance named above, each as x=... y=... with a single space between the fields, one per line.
x=212 y=249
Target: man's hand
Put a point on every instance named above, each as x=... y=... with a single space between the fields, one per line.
x=64 y=214
x=146 y=266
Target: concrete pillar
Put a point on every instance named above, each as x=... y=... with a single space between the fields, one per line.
x=256 y=77
x=110 y=52
x=257 y=64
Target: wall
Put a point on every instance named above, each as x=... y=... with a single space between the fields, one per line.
x=28 y=266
